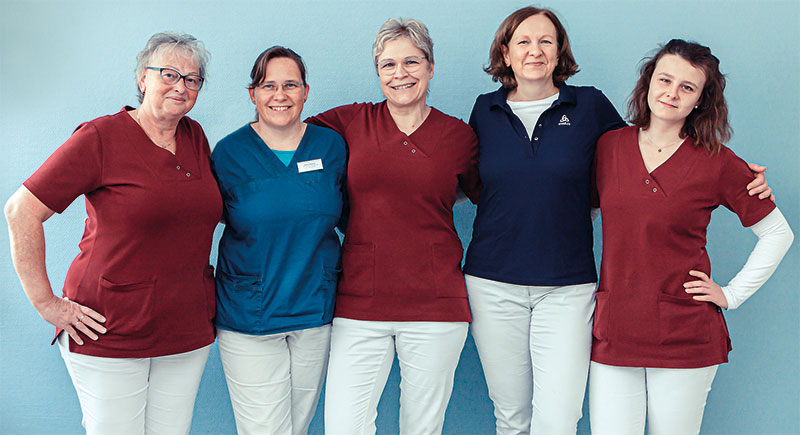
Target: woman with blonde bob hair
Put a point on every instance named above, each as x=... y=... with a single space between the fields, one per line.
x=530 y=268
x=659 y=332
x=401 y=289
x=134 y=323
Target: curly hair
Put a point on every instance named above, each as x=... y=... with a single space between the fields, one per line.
x=708 y=123
x=497 y=68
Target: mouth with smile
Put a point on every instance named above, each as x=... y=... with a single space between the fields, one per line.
x=401 y=87
x=279 y=108
x=672 y=106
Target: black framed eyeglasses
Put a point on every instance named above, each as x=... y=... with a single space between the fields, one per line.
x=169 y=76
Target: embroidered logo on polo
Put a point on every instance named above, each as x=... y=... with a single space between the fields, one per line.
x=564 y=120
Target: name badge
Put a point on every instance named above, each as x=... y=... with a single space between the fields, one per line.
x=309 y=165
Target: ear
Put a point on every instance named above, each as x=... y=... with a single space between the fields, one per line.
x=142 y=86
x=305 y=97
x=505 y=55
x=252 y=92
x=430 y=71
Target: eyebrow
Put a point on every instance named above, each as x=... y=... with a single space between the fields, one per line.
x=179 y=70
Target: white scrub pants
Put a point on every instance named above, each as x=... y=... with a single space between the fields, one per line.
x=274 y=380
x=123 y=396
x=672 y=401
x=361 y=358
x=534 y=345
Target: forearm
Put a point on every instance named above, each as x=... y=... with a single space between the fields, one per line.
x=26 y=237
x=774 y=239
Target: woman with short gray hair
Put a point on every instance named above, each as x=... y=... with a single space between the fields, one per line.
x=401 y=289
x=134 y=323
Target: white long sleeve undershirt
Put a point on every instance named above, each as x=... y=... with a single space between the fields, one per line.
x=774 y=239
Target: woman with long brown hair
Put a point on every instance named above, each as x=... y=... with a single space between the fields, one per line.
x=659 y=332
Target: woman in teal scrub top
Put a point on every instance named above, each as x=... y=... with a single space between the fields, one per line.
x=281 y=181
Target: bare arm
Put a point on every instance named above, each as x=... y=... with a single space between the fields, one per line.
x=25 y=215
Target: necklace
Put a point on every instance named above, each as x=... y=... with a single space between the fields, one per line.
x=136 y=116
x=646 y=137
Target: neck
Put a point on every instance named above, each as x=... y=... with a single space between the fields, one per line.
x=533 y=91
x=280 y=138
x=155 y=126
x=408 y=118
x=664 y=132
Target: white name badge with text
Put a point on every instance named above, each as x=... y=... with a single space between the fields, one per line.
x=309 y=165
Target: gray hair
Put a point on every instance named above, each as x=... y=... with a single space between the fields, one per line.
x=410 y=28
x=173 y=43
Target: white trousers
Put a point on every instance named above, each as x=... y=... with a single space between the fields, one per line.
x=361 y=358
x=274 y=380
x=136 y=396
x=672 y=401
x=534 y=345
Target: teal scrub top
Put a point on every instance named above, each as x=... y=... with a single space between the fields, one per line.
x=279 y=256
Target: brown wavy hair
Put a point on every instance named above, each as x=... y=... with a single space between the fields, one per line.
x=708 y=123
x=566 y=68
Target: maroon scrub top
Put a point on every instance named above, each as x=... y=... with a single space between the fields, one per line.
x=144 y=255
x=401 y=258
x=654 y=233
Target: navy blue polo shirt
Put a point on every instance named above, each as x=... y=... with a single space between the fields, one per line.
x=533 y=224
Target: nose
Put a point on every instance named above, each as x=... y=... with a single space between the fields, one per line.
x=400 y=71
x=180 y=86
x=534 y=49
x=672 y=91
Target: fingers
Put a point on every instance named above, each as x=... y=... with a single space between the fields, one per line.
x=755 y=167
x=73 y=334
x=92 y=313
x=767 y=193
x=698 y=274
x=703 y=298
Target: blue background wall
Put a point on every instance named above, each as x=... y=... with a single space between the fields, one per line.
x=62 y=63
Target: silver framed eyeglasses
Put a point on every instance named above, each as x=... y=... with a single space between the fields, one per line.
x=169 y=76
x=411 y=64
x=288 y=87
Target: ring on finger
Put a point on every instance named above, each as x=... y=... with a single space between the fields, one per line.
x=80 y=319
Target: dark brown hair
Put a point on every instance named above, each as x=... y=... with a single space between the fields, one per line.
x=708 y=123
x=566 y=68
x=259 y=70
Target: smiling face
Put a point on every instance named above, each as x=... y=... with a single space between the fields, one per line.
x=532 y=51
x=675 y=88
x=280 y=96
x=404 y=89
x=163 y=100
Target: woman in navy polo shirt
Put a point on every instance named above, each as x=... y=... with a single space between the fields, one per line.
x=281 y=181
x=659 y=333
x=530 y=269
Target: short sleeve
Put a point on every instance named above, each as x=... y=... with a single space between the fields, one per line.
x=734 y=177
x=74 y=169
x=607 y=114
x=468 y=177
x=337 y=118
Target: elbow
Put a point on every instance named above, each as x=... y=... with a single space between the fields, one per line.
x=11 y=209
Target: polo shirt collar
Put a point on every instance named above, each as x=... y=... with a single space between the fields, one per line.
x=566 y=95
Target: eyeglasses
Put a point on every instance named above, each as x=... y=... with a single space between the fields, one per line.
x=287 y=87
x=411 y=64
x=169 y=76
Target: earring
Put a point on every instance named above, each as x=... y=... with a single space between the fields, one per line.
x=696 y=107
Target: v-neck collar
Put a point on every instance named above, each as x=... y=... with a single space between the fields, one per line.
x=269 y=159
x=426 y=130
x=670 y=174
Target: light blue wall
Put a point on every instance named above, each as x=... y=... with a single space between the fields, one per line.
x=64 y=62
